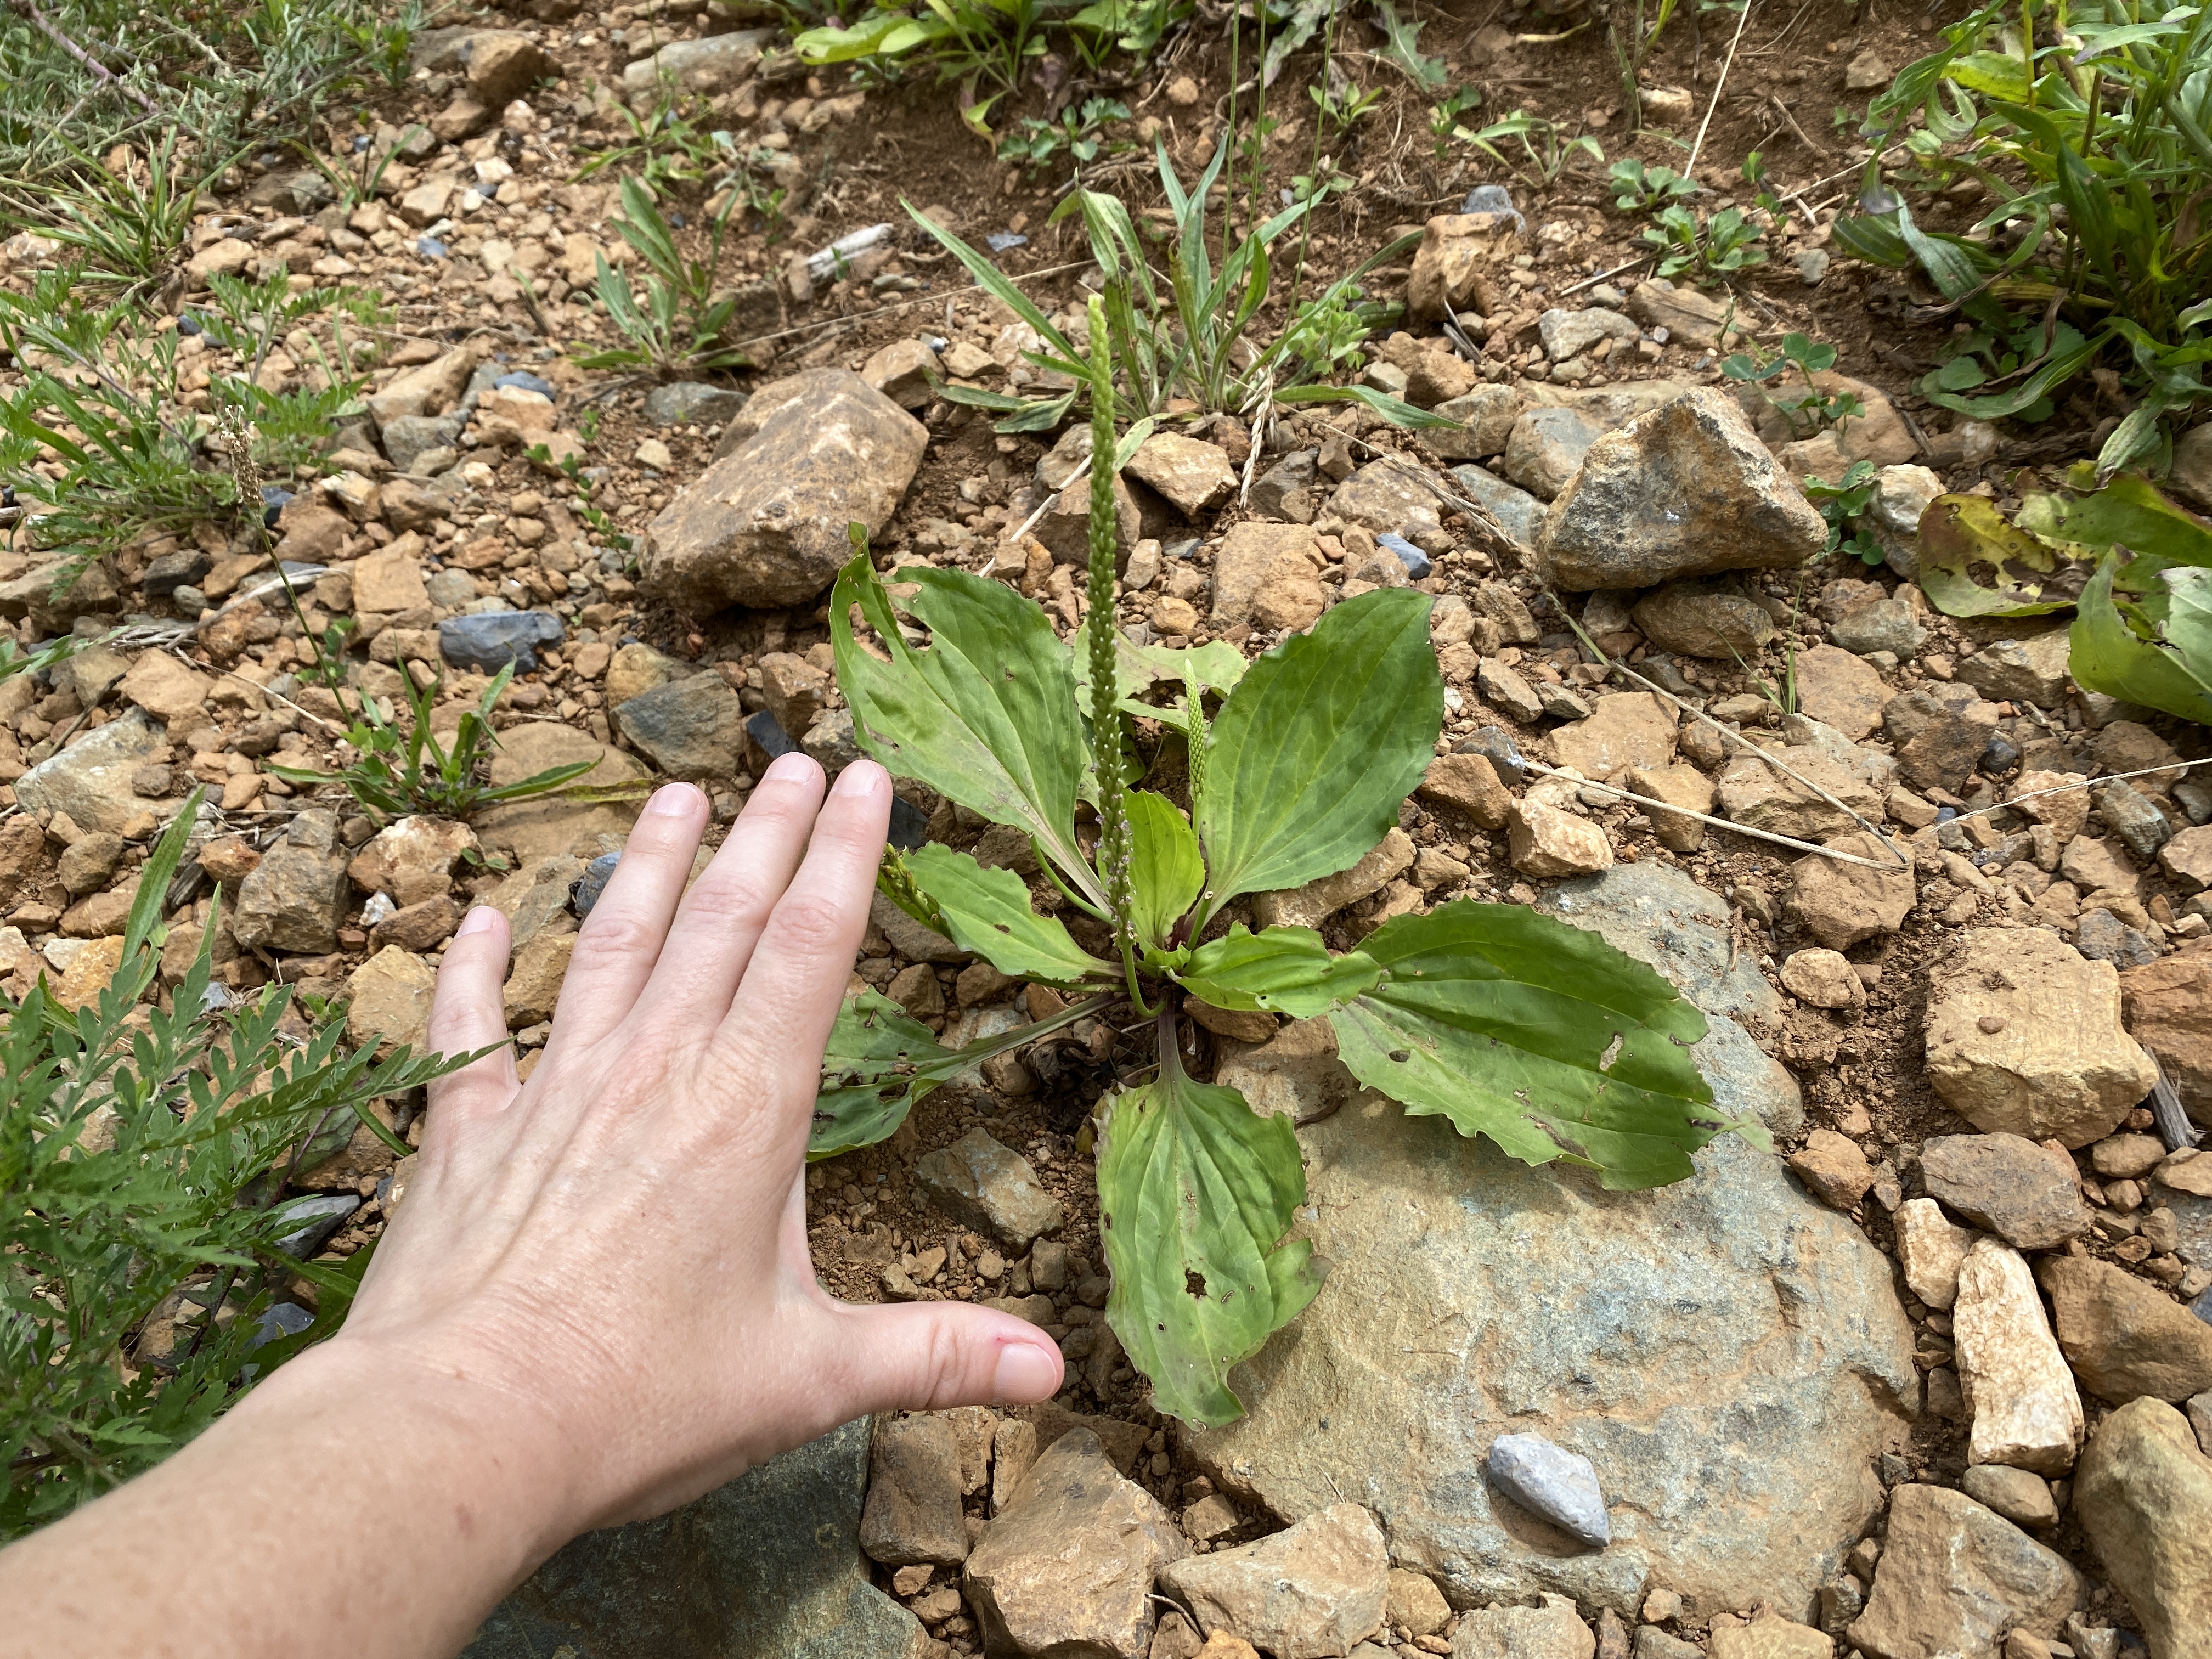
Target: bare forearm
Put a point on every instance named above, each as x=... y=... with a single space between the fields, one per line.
x=338 y=1509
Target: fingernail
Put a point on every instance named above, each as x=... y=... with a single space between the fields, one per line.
x=1026 y=1372
x=673 y=801
x=793 y=768
x=478 y=920
x=860 y=778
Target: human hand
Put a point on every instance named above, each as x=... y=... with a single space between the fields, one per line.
x=613 y=1255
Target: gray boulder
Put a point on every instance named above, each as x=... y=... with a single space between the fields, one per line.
x=1719 y=1348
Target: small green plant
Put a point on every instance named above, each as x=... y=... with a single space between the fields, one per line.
x=1514 y=1026
x=360 y=178
x=1639 y=189
x=1763 y=196
x=1710 y=249
x=1633 y=46
x=111 y=407
x=2136 y=567
x=1079 y=131
x=1842 y=504
x=1809 y=410
x=126 y=227
x=1444 y=116
x=14 y=660
x=663 y=147
x=1136 y=27
x=680 y=327
x=1343 y=108
x=144 y=1151
x=1401 y=49
x=975 y=42
x=400 y=770
x=1187 y=340
x=1545 y=154
x=2089 y=127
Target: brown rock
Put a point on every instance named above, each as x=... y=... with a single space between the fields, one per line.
x=1546 y=840
x=88 y=861
x=1067 y=1566
x=795 y=689
x=2169 y=1010
x=388 y=1000
x=1930 y=1250
x=912 y=1511
x=1686 y=489
x=2125 y=1338
x=22 y=846
x=534 y=983
x=430 y=389
x=543 y=829
x=1457 y=254
x=1275 y=562
x=1834 y=1168
x=2027 y=1411
x=165 y=688
x=1825 y=978
x=1955 y=1579
x=1315 y=902
x=1625 y=729
x=1469 y=783
x=2144 y=1497
x=1840 y=904
x=901 y=371
x=1770 y=1637
x=1554 y=1630
x=388 y=582
x=295 y=898
x=2010 y=1186
x=2024 y=1034
x=1678 y=786
x=766 y=524
x=413 y=859
x=228 y=858
x=1193 y=475
x=1310 y=1591
x=1840 y=690
x=1684 y=617
x=1240 y=1025
x=90 y=972
x=422 y=926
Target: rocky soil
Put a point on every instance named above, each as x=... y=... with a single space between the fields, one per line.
x=1937 y=1382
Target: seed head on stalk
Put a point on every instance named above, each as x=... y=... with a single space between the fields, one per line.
x=1116 y=844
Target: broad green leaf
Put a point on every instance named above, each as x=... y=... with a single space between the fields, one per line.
x=987 y=911
x=1538 y=1035
x=2128 y=512
x=1196 y=1193
x=985 y=715
x=2115 y=648
x=1165 y=870
x=879 y=1063
x=1320 y=743
x=1281 y=970
x=2027 y=576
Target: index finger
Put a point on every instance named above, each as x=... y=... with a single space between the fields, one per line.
x=780 y=1020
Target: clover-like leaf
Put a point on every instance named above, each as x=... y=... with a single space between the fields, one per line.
x=1281 y=970
x=985 y=715
x=1196 y=1192
x=1318 y=745
x=1540 y=1035
x=987 y=911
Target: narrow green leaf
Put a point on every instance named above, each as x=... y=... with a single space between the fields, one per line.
x=1165 y=869
x=154 y=874
x=1538 y=1035
x=985 y=716
x=1318 y=746
x=1194 y=1194
x=1281 y=970
x=987 y=911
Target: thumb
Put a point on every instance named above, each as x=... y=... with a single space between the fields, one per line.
x=931 y=1356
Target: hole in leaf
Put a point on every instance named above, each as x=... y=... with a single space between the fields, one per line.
x=1194 y=1285
x=1612 y=1053
x=1400 y=1056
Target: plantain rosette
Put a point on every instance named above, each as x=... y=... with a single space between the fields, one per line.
x=1535 y=1034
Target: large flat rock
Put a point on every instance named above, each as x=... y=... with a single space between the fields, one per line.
x=1729 y=1354
x=769 y=1563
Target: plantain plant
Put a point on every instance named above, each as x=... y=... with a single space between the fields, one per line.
x=1537 y=1035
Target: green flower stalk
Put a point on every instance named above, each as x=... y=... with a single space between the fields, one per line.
x=1115 y=842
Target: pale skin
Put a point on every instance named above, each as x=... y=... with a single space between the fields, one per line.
x=595 y=1305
